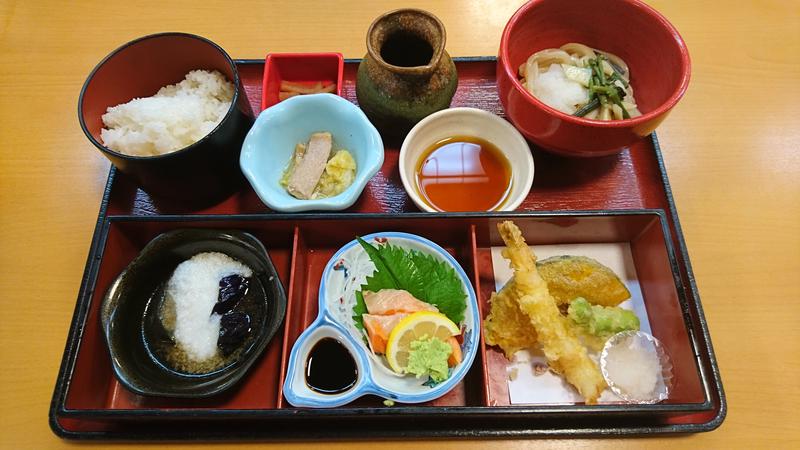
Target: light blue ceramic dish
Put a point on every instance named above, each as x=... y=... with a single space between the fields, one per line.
x=343 y=275
x=270 y=145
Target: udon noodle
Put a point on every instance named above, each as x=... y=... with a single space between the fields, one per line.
x=581 y=81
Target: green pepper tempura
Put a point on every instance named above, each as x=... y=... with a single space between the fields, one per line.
x=428 y=356
x=601 y=321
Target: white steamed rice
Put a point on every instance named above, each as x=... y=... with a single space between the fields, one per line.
x=177 y=116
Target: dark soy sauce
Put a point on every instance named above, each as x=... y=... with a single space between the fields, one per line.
x=330 y=368
x=406 y=50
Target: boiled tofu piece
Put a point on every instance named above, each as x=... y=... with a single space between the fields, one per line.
x=308 y=168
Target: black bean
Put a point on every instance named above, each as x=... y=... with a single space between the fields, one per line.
x=233 y=329
x=231 y=289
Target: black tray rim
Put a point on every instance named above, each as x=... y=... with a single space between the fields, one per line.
x=713 y=389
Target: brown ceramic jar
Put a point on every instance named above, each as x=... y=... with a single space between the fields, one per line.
x=406 y=74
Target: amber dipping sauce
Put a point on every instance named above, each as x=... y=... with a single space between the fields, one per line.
x=463 y=173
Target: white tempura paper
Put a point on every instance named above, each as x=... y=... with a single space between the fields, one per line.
x=524 y=386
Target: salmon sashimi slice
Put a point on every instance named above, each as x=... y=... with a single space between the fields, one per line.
x=456 y=356
x=379 y=328
x=393 y=301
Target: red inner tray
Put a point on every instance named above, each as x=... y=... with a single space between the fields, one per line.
x=300 y=250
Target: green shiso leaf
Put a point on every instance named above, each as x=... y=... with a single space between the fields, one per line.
x=359 y=309
x=382 y=276
x=422 y=275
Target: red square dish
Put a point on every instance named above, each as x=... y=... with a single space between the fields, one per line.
x=304 y=68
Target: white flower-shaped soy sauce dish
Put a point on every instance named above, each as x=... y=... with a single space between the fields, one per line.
x=345 y=274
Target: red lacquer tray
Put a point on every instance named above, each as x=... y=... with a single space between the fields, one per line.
x=623 y=198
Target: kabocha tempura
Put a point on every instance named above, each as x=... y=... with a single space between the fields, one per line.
x=569 y=277
x=564 y=352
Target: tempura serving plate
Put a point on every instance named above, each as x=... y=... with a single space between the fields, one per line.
x=580 y=203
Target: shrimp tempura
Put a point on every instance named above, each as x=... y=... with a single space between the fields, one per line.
x=561 y=347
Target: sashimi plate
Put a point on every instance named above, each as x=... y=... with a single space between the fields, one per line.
x=343 y=275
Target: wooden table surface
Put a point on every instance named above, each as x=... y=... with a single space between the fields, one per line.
x=732 y=151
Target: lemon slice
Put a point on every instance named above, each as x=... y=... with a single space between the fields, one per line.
x=413 y=327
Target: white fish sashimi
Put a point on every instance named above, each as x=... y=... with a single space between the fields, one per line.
x=393 y=301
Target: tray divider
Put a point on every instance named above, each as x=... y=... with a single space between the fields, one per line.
x=291 y=293
x=476 y=280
